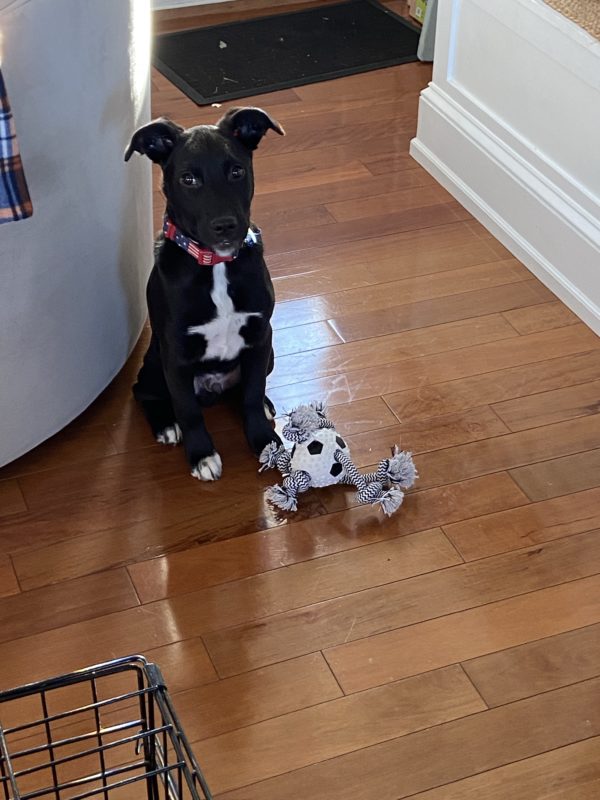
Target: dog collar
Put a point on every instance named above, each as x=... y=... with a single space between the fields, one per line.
x=204 y=257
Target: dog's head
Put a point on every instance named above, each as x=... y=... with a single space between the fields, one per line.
x=207 y=173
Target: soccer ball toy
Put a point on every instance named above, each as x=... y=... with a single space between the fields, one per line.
x=320 y=457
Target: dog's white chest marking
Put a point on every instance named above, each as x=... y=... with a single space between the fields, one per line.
x=222 y=333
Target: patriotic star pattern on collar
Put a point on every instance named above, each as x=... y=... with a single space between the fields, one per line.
x=207 y=258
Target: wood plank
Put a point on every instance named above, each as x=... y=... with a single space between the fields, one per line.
x=382 y=165
x=559 y=475
x=338 y=727
x=537 y=667
x=281 y=689
x=572 y=771
x=351 y=624
x=8 y=579
x=304 y=218
x=439 y=368
x=411 y=219
x=381 y=322
x=184 y=665
x=531 y=524
x=67 y=502
x=287 y=341
x=545 y=408
x=381 y=81
x=324 y=193
x=403 y=767
x=306 y=175
x=332 y=109
x=345 y=129
x=385 y=350
x=400 y=255
x=424 y=436
x=465 y=635
x=509 y=451
x=318 y=579
x=514 y=382
x=77 y=444
x=541 y=318
x=310 y=582
x=364 y=415
x=11 y=498
x=277 y=171
x=81 y=644
x=360 y=208
x=130 y=431
x=399 y=292
x=56 y=606
x=328 y=128
x=300 y=541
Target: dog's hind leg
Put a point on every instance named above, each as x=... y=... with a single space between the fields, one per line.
x=152 y=393
x=270 y=411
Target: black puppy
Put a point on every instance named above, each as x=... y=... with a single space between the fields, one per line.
x=210 y=297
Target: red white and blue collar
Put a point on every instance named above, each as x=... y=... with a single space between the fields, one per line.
x=204 y=257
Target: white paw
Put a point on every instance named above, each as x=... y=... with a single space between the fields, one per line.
x=170 y=435
x=268 y=413
x=209 y=469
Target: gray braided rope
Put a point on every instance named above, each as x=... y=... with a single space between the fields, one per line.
x=326 y=423
x=352 y=474
x=285 y=497
x=397 y=471
x=304 y=420
x=374 y=486
x=275 y=456
x=294 y=435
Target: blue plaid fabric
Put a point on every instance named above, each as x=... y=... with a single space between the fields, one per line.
x=15 y=202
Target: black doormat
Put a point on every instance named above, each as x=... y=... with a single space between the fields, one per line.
x=224 y=62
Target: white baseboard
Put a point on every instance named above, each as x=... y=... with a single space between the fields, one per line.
x=554 y=236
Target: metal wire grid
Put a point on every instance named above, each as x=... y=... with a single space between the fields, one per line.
x=118 y=743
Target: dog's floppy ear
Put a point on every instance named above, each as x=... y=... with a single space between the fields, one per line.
x=249 y=125
x=155 y=140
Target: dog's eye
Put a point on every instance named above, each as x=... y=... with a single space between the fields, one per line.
x=187 y=179
x=236 y=173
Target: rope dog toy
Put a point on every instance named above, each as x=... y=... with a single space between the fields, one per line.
x=320 y=457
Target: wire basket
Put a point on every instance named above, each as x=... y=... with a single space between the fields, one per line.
x=107 y=730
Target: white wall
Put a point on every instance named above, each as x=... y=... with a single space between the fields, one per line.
x=72 y=277
x=510 y=124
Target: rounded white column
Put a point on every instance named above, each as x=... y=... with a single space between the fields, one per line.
x=72 y=277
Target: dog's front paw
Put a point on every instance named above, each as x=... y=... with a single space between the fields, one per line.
x=170 y=435
x=209 y=468
x=260 y=435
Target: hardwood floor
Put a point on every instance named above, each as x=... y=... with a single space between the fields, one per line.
x=448 y=653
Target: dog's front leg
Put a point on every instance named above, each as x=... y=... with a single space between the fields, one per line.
x=199 y=448
x=255 y=366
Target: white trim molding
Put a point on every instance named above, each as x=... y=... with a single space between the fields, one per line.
x=508 y=126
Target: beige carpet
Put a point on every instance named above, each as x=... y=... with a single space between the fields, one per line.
x=586 y=13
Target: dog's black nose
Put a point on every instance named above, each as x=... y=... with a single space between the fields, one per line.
x=223 y=226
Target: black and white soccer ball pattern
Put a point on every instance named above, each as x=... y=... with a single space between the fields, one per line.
x=316 y=456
